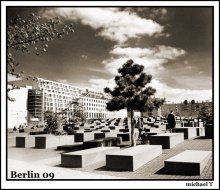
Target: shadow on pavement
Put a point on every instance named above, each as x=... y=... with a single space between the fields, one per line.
x=163 y=171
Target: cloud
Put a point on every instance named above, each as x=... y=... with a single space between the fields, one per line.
x=179 y=94
x=112 y=23
x=188 y=67
x=151 y=58
x=163 y=90
x=62 y=81
x=99 y=84
x=84 y=57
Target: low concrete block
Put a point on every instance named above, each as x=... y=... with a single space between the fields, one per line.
x=167 y=140
x=11 y=141
x=125 y=136
x=25 y=141
x=108 y=141
x=81 y=137
x=124 y=130
x=105 y=131
x=131 y=159
x=201 y=124
x=189 y=162
x=209 y=131
x=189 y=132
x=146 y=130
x=200 y=131
x=163 y=127
x=82 y=158
x=99 y=135
x=49 y=141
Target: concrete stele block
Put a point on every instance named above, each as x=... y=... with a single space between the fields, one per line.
x=25 y=141
x=50 y=141
x=131 y=159
x=81 y=137
x=167 y=140
x=125 y=136
x=200 y=131
x=209 y=132
x=82 y=158
x=43 y=142
x=99 y=135
x=189 y=132
x=189 y=162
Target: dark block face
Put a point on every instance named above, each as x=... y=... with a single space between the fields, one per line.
x=93 y=144
x=20 y=142
x=182 y=168
x=99 y=135
x=69 y=161
x=79 y=137
x=209 y=133
x=125 y=137
x=40 y=142
x=119 y=163
x=164 y=141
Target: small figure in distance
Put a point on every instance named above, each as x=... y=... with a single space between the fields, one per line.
x=171 y=119
x=140 y=128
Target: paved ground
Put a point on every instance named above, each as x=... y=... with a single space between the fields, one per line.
x=49 y=160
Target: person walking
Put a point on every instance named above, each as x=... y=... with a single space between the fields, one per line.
x=140 y=128
x=171 y=119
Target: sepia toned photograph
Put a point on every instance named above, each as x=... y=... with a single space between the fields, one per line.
x=110 y=93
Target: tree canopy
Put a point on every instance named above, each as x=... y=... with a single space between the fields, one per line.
x=31 y=34
x=131 y=90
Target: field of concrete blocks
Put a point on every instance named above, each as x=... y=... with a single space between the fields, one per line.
x=108 y=142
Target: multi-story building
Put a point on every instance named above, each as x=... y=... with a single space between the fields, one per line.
x=47 y=95
x=94 y=105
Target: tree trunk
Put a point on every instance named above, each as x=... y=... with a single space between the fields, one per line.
x=133 y=141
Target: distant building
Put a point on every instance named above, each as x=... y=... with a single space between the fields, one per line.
x=17 y=109
x=180 y=109
x=94 y=105
x=47 y=95
x=186 y=109
x=155 y=112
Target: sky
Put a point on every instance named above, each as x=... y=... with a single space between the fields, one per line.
x=174 y=44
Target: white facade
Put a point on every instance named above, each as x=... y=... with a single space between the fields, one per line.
x=17 y=110
x=94 y=105
x=57 y=96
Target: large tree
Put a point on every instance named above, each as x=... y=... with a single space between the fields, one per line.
x=131 y=92
x=31 y=34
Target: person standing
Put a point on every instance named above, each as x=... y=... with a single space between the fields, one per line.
x=171 y=119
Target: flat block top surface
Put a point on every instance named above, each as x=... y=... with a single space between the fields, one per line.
x=91 y=150
x=135 y=150
x=193 y=156
x=166 y=134
x=32 y=136
x=184 y=127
